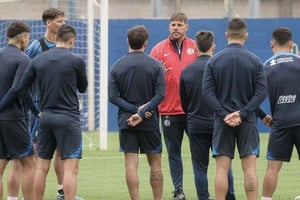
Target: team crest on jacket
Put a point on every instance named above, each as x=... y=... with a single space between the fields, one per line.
x=190 y=51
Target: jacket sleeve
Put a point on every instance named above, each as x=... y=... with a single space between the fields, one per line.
x=182 y=93
x=82 y=81
x=259 y=95
x=114 y=96
x=11 y=95
x=209 y=92
x=24 y=89
x=159 y=93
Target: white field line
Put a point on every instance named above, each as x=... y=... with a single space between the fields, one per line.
x=119 y=157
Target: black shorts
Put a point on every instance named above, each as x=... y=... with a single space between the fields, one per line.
x=135 y=141
x=225 y=137
x=281 y=143
x=59 y=130
x=15 y=140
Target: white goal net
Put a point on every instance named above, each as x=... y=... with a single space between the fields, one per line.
x=85 y=16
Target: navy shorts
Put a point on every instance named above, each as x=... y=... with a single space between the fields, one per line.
x=15 y=140
x=62 y=131
x=281 y=143
x=245 y=136
x=135 y=141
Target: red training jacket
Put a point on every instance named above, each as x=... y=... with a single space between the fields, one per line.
x=165 y=52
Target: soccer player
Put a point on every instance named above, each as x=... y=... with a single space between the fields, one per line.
x=234 y=83
x=15 y=140
x=137 y=86
x=175 y=52
x=53 y=18
x=283 y=71
x=199 y=116
x=59 y=74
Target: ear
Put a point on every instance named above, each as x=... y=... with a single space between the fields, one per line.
x=48 y=22
x=213 y=48
x=246 y=36
x=187 y=27
x=22 y=38
x=291 y=44
x=145 y=44
x=72 y=41
x=226 y=35
x=271 y=44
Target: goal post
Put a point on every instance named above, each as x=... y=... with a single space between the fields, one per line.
x=90 y=64
x=103 y=129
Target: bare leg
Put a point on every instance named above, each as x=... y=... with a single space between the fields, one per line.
x=28 y=170
x=132 y=179
x=70 y=167
x=3 y=163
x=14 y=178
x=271 y=178
x=221 y=180
x=58 y=167
x=250 y=177
x=156 y=175
x=42 y=169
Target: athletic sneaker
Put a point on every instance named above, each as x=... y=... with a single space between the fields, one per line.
x=61 y=197
x=179 y=195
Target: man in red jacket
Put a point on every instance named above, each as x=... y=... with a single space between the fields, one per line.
x=175 y=52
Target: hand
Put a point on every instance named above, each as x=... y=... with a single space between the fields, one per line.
x=233 y=119
x=164 y=64
x=268 y=120
x=134 y=120
x=148 y=114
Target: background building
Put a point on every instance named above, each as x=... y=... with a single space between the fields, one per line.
x=121 y=9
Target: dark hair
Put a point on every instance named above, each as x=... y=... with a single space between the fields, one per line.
x=204 y=40
x=52 y=13
x=137 y=36
x=236 y=28
x=65 y=32
x=16 y=28
x=282 y=35
x=179 y=16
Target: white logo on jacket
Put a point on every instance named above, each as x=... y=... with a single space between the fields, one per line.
x=286 y=99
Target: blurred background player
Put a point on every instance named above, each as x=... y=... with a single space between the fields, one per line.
x=59 y=74
x=283 y=71
x=199 y=115
x=137 y=86
x=234 y=83
x=175 y=53
x=15 y=140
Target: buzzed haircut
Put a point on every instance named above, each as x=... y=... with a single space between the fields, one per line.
x=16 y=28
x=52 y=13
x=179 y=16
x=236 y=28
x=282 y=35
x=65 y=32
x=137 y=36
x=204 y=40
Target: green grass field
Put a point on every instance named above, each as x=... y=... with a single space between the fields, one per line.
x=101 y=174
